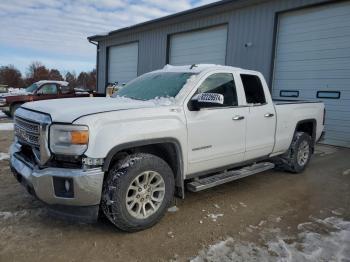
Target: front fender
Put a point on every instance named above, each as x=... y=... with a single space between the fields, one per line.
x=116 y=130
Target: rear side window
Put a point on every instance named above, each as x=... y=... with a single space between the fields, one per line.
x=253 y=89
x=220 y=83
x=66 y=90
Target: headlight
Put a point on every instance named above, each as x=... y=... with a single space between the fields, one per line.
x=69 y=139
x=3 y=101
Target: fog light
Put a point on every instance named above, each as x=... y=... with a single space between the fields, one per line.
x=63 y=187
x=67 y=185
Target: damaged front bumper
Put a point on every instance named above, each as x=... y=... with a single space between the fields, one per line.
x=69 y=193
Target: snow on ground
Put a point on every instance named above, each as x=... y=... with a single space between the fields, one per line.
x=214 y=217
x=4 y=156
x=6 y=126
x=318 y=240
x=173 y=209
x=10 y=215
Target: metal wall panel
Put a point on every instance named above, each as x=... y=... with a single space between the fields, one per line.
x=313 y=57
x=249 y=21
x=207 y=46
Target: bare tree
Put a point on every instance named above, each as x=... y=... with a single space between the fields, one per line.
x=36 y=72
x=11 y=76
x=71 y=78
x=54 y=74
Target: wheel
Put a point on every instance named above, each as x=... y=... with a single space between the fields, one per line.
x=137 y=192
x=298 y=155
x=13 y=109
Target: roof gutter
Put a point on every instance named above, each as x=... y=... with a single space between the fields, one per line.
x=92 y=42
x=97 y=59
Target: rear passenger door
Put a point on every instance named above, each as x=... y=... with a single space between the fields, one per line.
x=261 y=119
x=66 y=91
x=216 y=135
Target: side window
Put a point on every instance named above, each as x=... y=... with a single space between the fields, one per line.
x=254 y=91
x=48 y=89
x=66 y=90
x=220 y=83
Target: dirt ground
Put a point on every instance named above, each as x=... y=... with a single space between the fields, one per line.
x=239 y=210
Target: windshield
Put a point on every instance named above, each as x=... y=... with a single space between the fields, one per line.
x=154 y=85
x=31 y=88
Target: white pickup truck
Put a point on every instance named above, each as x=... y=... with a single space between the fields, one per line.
x=191 y=127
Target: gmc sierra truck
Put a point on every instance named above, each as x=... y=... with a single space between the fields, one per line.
x=181 y=127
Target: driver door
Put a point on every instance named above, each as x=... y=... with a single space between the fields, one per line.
x=47 y=91
x=216 y=135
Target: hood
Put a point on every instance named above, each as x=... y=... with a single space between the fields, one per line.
x=21 y=93
x=69 y=109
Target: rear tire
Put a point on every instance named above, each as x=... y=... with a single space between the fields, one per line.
x=298 y=155
x=137 y=192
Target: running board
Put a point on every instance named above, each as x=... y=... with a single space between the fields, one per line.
x=228 y=176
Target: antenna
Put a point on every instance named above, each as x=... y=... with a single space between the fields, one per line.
x=194 y=65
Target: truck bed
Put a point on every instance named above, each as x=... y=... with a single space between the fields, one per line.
x=290 y=113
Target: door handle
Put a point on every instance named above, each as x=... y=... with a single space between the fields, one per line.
x=238 y=118
x=269 y=115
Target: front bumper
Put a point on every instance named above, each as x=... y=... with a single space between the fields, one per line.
x=87 y=183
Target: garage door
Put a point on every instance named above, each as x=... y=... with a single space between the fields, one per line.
x=122 y=63
x=312 y=61
x=202 y=46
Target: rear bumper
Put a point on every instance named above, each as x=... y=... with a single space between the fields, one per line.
x=85 y=187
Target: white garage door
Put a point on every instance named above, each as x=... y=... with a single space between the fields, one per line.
x=312 y=61
x=202 y=46
x=122 y=63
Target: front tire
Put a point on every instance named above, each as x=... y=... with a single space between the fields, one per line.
x=298 y=155
x=137 y=192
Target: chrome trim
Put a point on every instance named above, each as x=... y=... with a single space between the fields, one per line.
x=45 y=153
x=87 y=182
x=43 y=121
x=31 y=116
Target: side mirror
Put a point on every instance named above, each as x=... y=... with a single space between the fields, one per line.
x=206 y=100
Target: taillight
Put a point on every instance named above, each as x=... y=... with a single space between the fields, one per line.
x=324 y=115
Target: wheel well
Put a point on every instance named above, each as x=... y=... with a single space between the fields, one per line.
x=167 y=151
x=309 y=127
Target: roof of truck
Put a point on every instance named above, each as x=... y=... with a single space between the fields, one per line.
x=198 y=68
x=63 y=83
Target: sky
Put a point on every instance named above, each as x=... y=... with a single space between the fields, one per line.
x=54 y=32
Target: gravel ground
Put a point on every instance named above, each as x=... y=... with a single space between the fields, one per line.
x=259 y=217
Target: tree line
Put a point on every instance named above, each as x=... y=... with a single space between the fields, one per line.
x=12 y=77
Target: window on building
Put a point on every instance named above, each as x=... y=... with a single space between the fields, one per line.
x=254 y=91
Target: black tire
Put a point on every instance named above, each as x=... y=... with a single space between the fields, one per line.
x=115 y=190
x=13 y=109
x=289 y=161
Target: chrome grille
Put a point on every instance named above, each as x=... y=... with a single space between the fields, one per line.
x=27 y=132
